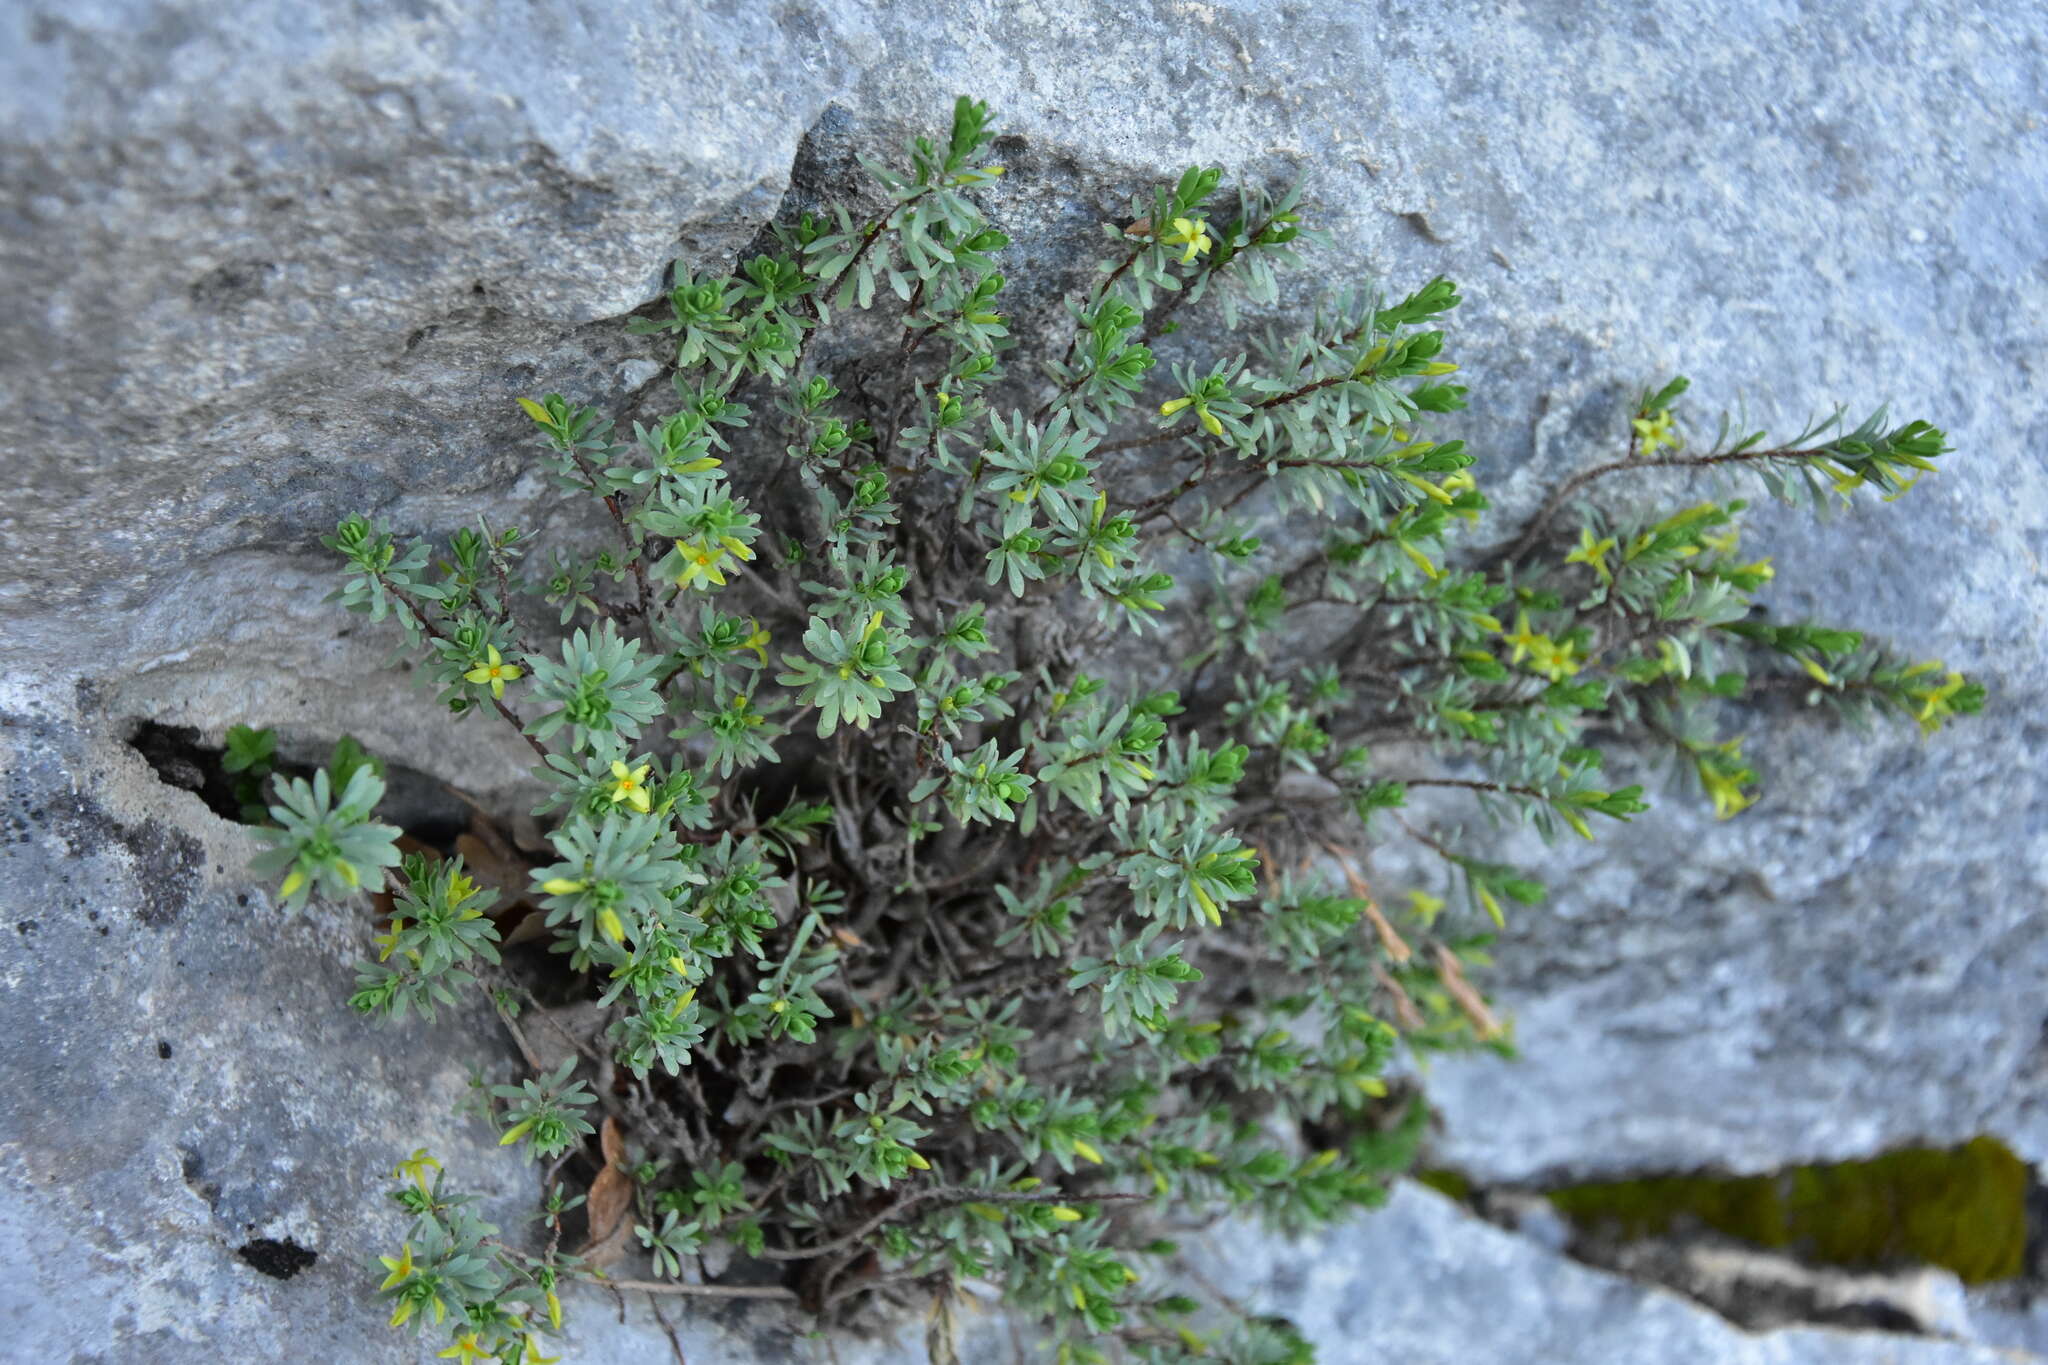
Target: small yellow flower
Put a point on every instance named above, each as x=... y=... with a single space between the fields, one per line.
x=1192 y=233
x=415 y=1168
x=532 y=1355
x=1655 y=432
x=495 y=671
x=562 y=886
x=467 y=1350
x=757 y=640
x=1934 y=702
x=1523 y=640
x=1593 y=553
x=1729 y=798
x=1553 y=660
x=630 y=786
x=400 y=1267
x=702 y=564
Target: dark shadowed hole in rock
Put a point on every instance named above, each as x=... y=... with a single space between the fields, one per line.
x=279 y=1259
x=425 y=807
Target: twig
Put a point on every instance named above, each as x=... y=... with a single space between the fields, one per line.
x=950 y=1193
x=1562 y=494
x=420 y=615
x=707 y=1291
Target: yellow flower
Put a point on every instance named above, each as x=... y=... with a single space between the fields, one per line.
x=562 y=886
x=1655 y=432
x=1191 y=232
x=467 y=1350
x=630 y=786
x=415 y=1168
x=1934 y=702
x=1592 y=553
x=702 y=564
x=532 y=1355
x=1729 y=798
x=495 y=671
x=1425 y=906
x=1522 y=640
x=1722 y=774
x=757 y=640
x=1553 y=660
x=400 y=1267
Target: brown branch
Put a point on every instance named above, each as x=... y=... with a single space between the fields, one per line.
x=720 y=1291
x=412 y=605
x=626 y=539
x=1469 y=784
x=952 y=1194
x=1190 y=428
x=1556 y=501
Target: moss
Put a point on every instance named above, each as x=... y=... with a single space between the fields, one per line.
x=1962 y=1208
x=1453 y=1183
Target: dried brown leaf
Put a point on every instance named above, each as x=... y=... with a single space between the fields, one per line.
x=610 y=1201
x=1451 y=972
x=1390 y=938
x=1405 y=1013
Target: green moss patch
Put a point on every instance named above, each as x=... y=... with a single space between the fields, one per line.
x=1962 y=1208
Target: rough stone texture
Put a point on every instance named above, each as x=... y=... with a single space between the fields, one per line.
x=1425 y=1283
x=195 y=1130
x=269 y=264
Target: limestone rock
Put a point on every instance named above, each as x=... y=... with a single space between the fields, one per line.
x=1425 y=1282
x=271 y=264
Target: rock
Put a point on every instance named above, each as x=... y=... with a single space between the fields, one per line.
x=1762 y=1290
x=275 y=264
x=2008 y=1321
x=1423 y=1281
x=199 y=1132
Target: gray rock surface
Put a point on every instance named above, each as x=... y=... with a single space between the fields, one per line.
x=1424 y=1282
x=269 y=264
x=196 y=1133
